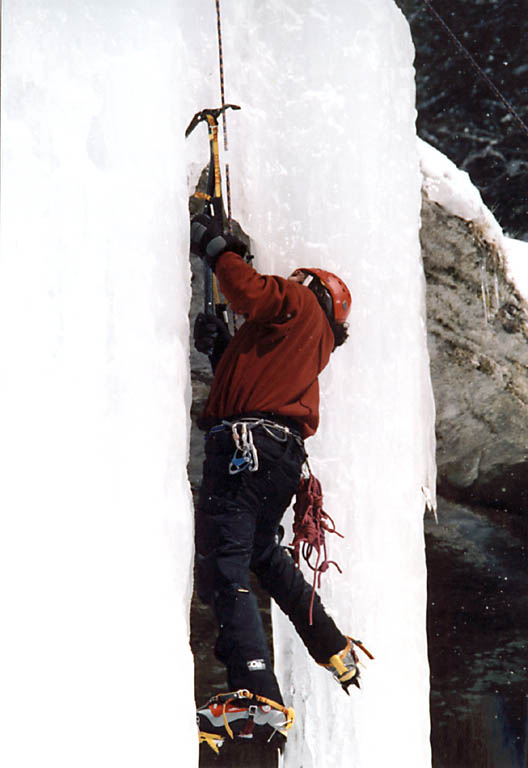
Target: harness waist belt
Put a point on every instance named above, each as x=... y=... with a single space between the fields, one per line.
x=265 y=418
x=245 y=455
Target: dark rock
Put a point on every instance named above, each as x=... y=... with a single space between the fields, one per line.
x=477 y=629
x=482 y=128
x=476 y=555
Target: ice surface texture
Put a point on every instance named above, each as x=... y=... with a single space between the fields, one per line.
x=94 y=280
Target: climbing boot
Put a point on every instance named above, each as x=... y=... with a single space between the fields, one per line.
x=242 y=716
x=344 y=665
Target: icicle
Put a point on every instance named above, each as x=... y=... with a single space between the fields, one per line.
x=484 y=290
x=430 y=503
x=496 y=283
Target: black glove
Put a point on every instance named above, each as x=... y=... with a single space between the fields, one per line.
x=209 y=241
x=211 y=336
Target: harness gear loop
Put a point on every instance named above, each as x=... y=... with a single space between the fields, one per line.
x=311 y=523
x=245 y=455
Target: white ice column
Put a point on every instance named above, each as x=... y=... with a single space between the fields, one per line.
x=95 y=510
x=325 y=173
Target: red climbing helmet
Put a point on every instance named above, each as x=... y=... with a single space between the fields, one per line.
x=341 y=298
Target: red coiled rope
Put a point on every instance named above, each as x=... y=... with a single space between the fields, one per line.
x=311 y=523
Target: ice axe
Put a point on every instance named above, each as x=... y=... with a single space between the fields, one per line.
x=211 y=115
x=213 y=195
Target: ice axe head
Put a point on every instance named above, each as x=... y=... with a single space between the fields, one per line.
x=211 y=115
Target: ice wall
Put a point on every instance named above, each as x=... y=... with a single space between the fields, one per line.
x=325 y=172
x=95 y=512
x=95 y=539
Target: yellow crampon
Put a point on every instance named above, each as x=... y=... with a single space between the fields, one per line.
x=343 y=673
x=212 y=739
x=215 y=741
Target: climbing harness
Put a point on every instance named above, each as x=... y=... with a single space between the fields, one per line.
x=311 y=522
x=310 y=526
x=246 y=455
x=475 y=65
x=227 y=711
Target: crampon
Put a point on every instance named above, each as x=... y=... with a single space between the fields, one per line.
x=242 y=716
x=344 y=665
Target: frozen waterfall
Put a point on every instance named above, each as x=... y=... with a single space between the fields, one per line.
x=96 y=514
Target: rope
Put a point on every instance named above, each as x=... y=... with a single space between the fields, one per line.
x=221 y=67
x=476 y=66
x=311 y=523
x=224 y=121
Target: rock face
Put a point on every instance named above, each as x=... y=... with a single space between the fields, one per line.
x=476 y=555
x=478 y=332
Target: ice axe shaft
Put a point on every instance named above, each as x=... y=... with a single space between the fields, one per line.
x=214 y=182
x=213 y=196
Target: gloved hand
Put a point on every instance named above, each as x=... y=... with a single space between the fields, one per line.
x=209 y=241
x=211 y=336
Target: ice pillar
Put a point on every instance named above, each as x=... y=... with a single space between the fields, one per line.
x=95 y=511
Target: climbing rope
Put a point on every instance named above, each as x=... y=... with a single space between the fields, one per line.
x=224 y=121
x=311 y=523
x=461 y=47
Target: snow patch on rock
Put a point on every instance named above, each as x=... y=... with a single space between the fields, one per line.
x=452 y=188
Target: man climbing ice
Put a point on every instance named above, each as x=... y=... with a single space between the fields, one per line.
x=263 y=403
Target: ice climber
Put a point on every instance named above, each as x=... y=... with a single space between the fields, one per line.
x=263 y=403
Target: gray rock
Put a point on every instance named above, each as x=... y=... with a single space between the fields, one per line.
x=478 y=332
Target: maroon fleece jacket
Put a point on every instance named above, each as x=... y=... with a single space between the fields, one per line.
x=273 y=361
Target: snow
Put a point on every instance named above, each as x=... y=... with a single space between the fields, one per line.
x=453 y=189
x=96 y=526
x=516 y=252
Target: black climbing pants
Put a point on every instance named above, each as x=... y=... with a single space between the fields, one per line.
x=237 y=530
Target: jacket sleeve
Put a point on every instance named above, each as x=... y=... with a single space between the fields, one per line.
x=264 y=298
